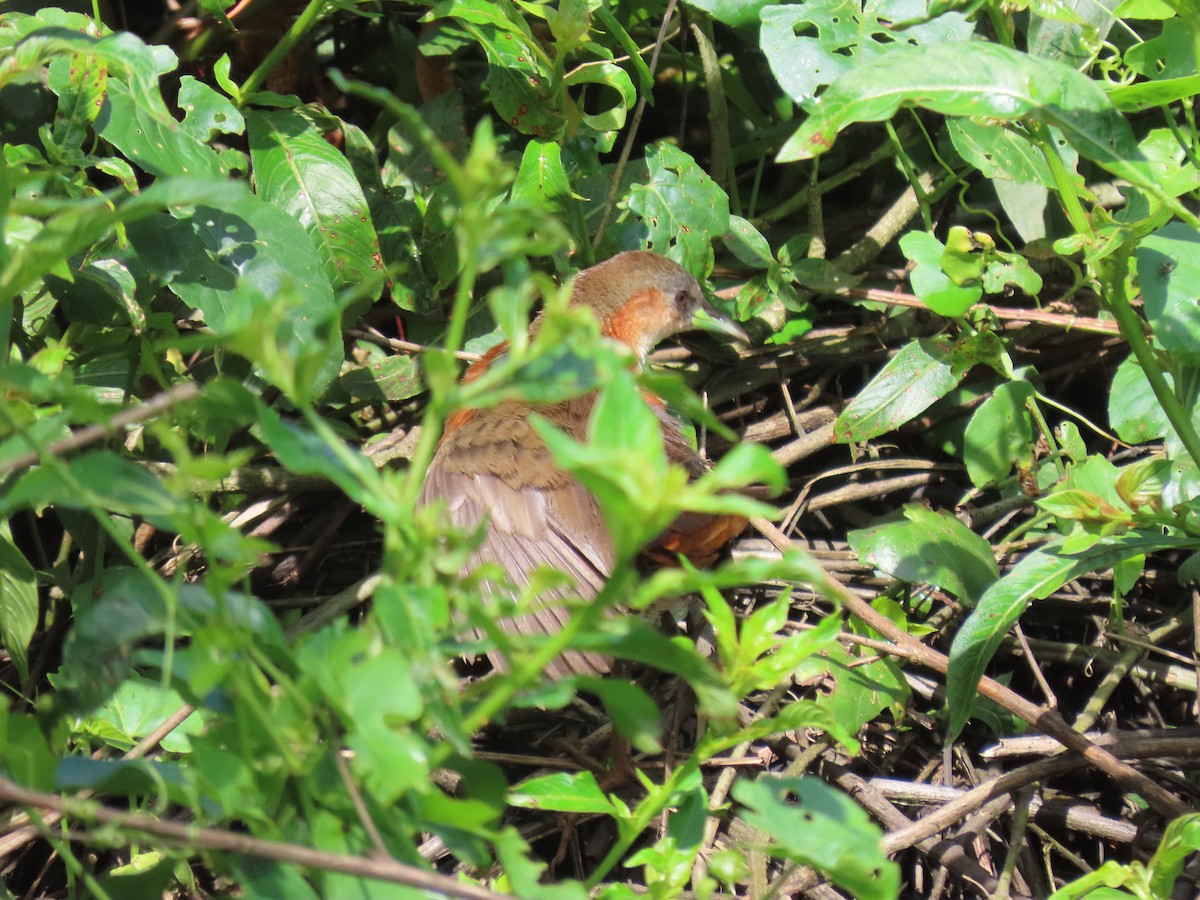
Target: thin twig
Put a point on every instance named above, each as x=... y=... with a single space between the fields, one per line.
x=192 y=836
x=180 y=393
x=1049 y=721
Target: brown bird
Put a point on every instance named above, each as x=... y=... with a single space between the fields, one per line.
x=491 y=463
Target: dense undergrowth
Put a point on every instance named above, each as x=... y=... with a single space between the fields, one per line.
x=246 y=251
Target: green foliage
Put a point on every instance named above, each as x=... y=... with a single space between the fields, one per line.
x=193 y=274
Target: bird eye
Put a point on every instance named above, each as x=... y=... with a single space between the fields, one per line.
x=682 y=300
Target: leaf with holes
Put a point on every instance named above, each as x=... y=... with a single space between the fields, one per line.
x=298 y=171
x=812 y=44
x=678 y=211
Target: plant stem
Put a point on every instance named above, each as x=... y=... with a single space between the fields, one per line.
x=304 y=22
x=1113 y=273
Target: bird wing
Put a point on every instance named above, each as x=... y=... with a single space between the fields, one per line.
x=493 y=465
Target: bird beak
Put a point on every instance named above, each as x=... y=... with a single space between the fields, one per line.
x=708 y=318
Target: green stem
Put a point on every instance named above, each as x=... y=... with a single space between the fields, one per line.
x=1113 y=272
x=303 y=24
x=650 y=807
x=1064 y=185
x=911 y=175
x=440 y=406
x=1044 y=427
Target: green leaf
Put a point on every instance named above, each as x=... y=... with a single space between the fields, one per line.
x=1071 y=31
x=1000 y=435
x=678 y=212
x=73 y=226
x=747 y=243
x=519 y=82
x=1168 y=267
x=250 y=269
x=732 y=12
x=608 y=75
x=812 y=44
x=930 y=283
x=122 y=607
x=542 y=183
x=135 y=119
x=109 y=482
x=863 y=688
x=305 y=453
x=137 y=708
x=1000 y=83
x=79 y=80
x=18 y=601
x=208 y=113
x=822 y=828
x=572 y=792
x=920 y=374
x=996 y=150
x=1035 y=577
x=1179 y=841
x=1133 y=410
x=930 y=548
x=27 y=757
x=304 y=175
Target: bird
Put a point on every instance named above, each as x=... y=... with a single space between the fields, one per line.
x=491 y=465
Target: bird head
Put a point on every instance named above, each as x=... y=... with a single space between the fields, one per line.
x=640 y=298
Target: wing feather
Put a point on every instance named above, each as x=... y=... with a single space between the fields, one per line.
x=537 y=516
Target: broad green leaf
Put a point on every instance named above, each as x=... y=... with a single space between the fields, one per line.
x=301 y=173
x=812 y=44
x=630 y=637
x=1103 y=883
x=397 y=219
x=679 y=211
x=732 y=12
x=607 y=75
x=1179 y=841
x=997 y=151
x=1035 y=577
x=250 y=269
x=822 y=828
x=135 y=119
x=123 y=607
x=747 y=243
x=383 y=379
x=1145 y=9
x=1143 y=95
x=1071 y=31
x=18 y=601
x=1000 y=435
x=72 y=227
x=137 y=708
x=1133 y=410
x=109 y=481
x=519 y=82
x=573 y=792
x=27 y=757
x=542 y=183
x=921 y=373
x=306 y=453
x=862 y=689
x=1167 y=57
x=1168 y=266
x=79 y=80
x=930 y=548
x=207 y=113
x=1000 y=83
x=930 y=282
